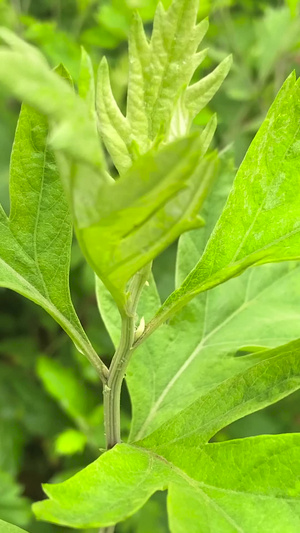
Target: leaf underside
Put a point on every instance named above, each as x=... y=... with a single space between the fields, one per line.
x=160 y=103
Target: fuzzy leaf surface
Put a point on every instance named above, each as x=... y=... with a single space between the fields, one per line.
x=159 y=102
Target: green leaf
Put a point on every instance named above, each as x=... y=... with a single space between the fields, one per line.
x=69 y=442
x=243 y=485
x=200 y=344
x=5 y=527
x=24 y=71
x=11 y=442
x=273 y=375
x=136 y=217
x=13 y=506
x=86 y=83
x=148 y=304
x=35 y=241
x=109 y=490
x=260 y=222
x=113 y=125
x=293 y=5
x=65 y=386
x=233 y=487
x=160 y=106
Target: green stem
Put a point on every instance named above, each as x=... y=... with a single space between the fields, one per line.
x=112 y=389
x=113 y=386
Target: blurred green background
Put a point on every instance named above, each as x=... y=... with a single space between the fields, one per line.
x=50 y=399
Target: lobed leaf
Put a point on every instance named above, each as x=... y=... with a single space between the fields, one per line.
x=198 y=348
x=160 y=72
x=242 y=485
x=275 y=374
x=35 y=241
x=260 y=222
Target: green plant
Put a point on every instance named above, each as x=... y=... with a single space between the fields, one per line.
x=59 y=177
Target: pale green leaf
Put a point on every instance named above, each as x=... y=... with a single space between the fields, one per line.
x=70 y=442
x=160 y=71
x=139 y=215
x=24 y=71
x=248 y=485
x=35 y=242
x=109 y=490
x=69 y=391
x=244 y=485
x=5 y=527
x=260 y=222
x=114 y=129
x=275 y=374
x=199 y=345
x=198 y=95
x=86 y=83
x=148 y=304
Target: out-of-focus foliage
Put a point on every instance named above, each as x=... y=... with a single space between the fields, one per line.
x=50 y=418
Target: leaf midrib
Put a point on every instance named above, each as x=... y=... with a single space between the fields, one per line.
x=47 y=305
x=199 y=486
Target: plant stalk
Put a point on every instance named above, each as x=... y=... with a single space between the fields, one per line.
x=113 y=385
x=116 y=373
x=112 y=389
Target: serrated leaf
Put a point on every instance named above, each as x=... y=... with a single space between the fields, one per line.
x=159 y=73
x=5 y=527
x=200 y=344
x=260 y=222
x=205 y=483
x=274 y=374
x=140 y=214
x=35 y=241
x=199 y=94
